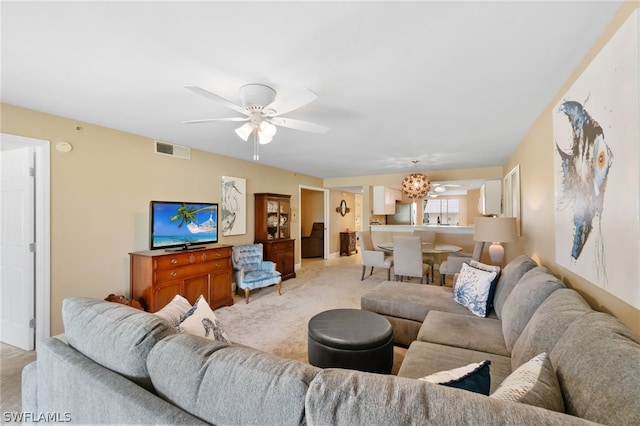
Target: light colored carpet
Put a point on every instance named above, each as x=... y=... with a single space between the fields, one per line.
x=12 y=361
x=278 y=324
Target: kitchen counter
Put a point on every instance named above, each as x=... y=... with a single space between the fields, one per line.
x=440 y=229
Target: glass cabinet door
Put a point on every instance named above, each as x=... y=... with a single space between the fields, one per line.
x=284 y=219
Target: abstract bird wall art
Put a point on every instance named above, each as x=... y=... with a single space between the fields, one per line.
x=584 y=177
x=596 y=168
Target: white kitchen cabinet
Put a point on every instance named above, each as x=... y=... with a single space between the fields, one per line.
x=490 y=201
x=384 y=199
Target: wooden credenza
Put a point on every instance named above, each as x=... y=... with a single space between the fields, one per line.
x=282 y=253
x=347 y=243
x=158 y=275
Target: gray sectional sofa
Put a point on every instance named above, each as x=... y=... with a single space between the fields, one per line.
x=123 y=366
x=595 y=358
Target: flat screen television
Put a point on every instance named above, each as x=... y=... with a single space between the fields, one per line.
x=182 y=226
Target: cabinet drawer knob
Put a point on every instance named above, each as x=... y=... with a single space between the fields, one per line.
x=174 y=261
x=173 y=274
x=218 y=254
x=203 y=257
x=218 y=265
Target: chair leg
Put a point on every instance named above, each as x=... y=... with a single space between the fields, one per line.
x=246 y=295
x=364 y=269
x=371 y=273
x=389 y=274
x=280 y=288
x=442 y=278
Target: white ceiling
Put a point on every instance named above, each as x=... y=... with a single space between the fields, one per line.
x=451 y=84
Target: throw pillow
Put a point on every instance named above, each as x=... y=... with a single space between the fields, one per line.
x=472 y=289
x=201 y=321
x=473 y=377
x=174 y=310
x=533 y=383
x=488 y=268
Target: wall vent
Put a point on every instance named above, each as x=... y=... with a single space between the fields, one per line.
x=173 y=150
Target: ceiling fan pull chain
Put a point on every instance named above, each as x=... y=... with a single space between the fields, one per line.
x=256 y=155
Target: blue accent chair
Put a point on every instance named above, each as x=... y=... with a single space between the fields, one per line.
x=251 y=271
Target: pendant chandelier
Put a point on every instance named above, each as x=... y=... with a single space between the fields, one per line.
x=416 y=185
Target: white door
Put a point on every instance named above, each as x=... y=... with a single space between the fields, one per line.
x=17 y=258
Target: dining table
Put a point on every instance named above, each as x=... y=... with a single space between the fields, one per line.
x=431 y=252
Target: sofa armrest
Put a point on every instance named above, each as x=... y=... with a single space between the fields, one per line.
x=30 y=388
x=268 y=265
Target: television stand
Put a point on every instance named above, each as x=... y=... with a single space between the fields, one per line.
x=184 y=248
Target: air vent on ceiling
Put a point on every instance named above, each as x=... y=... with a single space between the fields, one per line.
x=173 y=150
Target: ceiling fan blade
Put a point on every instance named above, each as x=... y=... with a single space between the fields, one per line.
x=207 y=120
x=216 y=98
x=289 y=103
x=305 y=126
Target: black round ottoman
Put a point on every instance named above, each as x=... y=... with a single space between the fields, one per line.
x=351 y=338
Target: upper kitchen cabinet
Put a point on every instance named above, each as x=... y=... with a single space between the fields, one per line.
x=490 y=201
x=384 y=199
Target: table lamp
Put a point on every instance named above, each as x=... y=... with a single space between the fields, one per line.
x=495 y=230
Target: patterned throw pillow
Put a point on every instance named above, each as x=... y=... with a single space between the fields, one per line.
x=472 y=289
x=201 y=321
x=174 y=310
x=488 y=268
x=473 y=377
x=533 y=383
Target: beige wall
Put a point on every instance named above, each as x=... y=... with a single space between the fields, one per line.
x=338 y=223
x=533 y=153
x=100 y=193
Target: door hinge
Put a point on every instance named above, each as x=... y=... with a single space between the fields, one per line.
x=32 y=247
x=32 y=171
x=32 y=323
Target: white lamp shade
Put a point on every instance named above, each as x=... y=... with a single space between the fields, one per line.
x=244 y=131
x=263 y=138
x=268 y=129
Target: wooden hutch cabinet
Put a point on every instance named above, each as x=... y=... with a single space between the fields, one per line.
x=348 y=243
x=273 y=230
x=158 y=275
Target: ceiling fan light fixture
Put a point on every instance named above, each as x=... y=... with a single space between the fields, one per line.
x=267 y=129
x=439 y=188
x=263 y=138
x=244 y=131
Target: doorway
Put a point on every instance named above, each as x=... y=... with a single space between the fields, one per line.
x=313 y=208
x=25 y=241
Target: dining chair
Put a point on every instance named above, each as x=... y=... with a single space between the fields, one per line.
x=429 y=237
x=454 y=261
x=407 y=258
x=372 y=257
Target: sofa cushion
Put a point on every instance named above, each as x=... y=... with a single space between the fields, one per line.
x=410 y=300
x=472 y=289
x=423 y=359
x=534 y=287
x=474 y=377
x=509 y=277
x=547 y=325
x=534 y=383
x=596 y=361
x=346 y=397
x=200 y=320
x=114 y=335
x=464 y=331
x=224 y=384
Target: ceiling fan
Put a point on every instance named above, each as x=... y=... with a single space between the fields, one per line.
x=262 y=112
x=439 y=188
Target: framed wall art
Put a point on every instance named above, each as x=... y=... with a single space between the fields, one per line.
x=233 y=206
